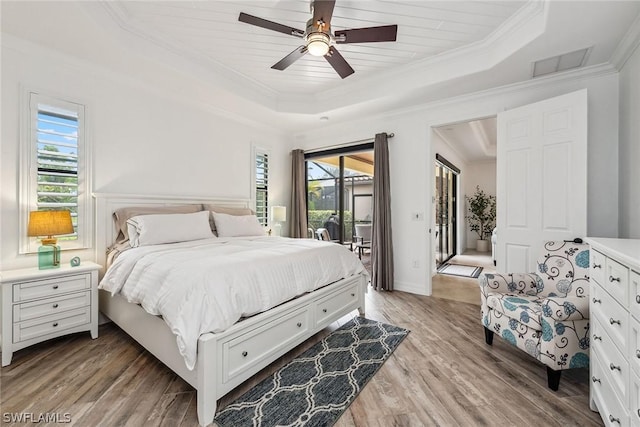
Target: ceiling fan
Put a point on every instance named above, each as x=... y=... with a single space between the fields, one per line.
x=318 y=40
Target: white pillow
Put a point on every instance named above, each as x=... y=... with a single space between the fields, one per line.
x=147 y=230
x=237 y=225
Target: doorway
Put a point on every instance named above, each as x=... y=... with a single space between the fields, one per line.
x=446 y=187
x=340 y=192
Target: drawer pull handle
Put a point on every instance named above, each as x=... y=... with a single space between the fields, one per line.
x=638 y=299
x=299 y=324
x=596 y=301
x=614 y=279
x=638 y=412
x=353 y=295
x=614 y=367
x=244 y=354
x=596 y=338
x=613 y=322
x=597 y=266
x=324 y=310
x=596 y=380
x=55 y=324
x=614 y=420
x=638 y=354
x=55 y=305
x=55 y=286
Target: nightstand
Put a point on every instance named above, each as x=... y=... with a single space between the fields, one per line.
x=38 y=305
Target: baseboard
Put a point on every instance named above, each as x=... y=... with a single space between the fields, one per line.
x=412 y=288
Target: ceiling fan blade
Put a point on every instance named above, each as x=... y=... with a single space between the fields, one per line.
x=269 y=25
x=323 y=10
x=386 y=33
x=338 y=63
x=290 y=59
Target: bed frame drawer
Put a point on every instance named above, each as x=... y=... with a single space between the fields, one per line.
x=329 y=307
x=241 y=353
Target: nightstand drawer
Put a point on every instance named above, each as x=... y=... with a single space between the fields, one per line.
x=50 y=324
x=50 y=287
x=45 y=307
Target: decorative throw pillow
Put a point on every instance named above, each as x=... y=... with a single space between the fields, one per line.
x=236 y=226
x=224 y=210
x=147 y=230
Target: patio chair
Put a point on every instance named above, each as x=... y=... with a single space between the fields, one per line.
x=323 y=234
x=546 y=313
x=362 y=238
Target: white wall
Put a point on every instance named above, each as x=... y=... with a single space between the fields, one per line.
x=144 y=142
x=411 y=160
x=482 y=174
x=629 y=172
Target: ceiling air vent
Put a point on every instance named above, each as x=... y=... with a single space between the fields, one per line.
x=559 y=63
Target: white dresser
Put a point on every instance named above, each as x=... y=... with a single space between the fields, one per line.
x=615 y=330
x=38 y=305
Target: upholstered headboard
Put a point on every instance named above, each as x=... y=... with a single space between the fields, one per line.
x=106 y=203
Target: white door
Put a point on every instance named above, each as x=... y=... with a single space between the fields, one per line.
x=541 y=178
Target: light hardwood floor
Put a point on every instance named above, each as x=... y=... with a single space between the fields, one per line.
x=442 y=374
x=461 y=288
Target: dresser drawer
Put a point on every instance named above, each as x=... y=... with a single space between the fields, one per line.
x=634 y=294
x=242 y=352
x=614 y=364
x=612 y=316
x=50 y=287
x=616 y=281
x=634 y=344
x=598 y=262
x=611 y=409
x=343 y=301
x=48 y=306
x=41 y=326
x=634 y=407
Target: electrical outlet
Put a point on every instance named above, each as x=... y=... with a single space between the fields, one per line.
x=415 y=263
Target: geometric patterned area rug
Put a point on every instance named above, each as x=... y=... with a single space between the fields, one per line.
x=460 y=270
x=316 y=387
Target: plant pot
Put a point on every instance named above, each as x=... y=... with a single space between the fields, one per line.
x=482 y=245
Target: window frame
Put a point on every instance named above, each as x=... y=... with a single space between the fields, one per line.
x=28 y=172
x=255 y=152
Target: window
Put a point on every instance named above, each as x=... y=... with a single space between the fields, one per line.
x=262 y=185
x=54 y=167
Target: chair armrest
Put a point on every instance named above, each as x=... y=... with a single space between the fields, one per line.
x=512 y=283
x=566 y=308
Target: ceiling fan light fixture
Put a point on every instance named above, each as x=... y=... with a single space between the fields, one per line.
x=318 y=44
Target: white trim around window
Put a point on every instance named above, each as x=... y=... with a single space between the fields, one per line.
x=261 y=206
x=71 y=141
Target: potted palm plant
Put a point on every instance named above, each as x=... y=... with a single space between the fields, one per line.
x=481 y=217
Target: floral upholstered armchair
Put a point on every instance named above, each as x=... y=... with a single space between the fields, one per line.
x=545 y=313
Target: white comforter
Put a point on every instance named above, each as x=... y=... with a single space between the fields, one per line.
x=208 y=285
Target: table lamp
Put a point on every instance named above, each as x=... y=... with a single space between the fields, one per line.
x=49 y=224
x=278 y=216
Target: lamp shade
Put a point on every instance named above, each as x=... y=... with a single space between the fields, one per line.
x=49 y=223
x=278 y=213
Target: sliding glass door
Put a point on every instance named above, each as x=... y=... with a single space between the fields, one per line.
x=445 y=209
x=340 y=191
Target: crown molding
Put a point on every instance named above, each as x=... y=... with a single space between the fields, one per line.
x=627 y=45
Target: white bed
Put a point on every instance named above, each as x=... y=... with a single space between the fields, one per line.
x=224 y=359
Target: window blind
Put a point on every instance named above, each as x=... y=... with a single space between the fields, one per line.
x=262 y=186
x=57 y=161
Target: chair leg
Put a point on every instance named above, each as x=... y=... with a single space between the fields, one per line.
x=553 y=378
x=488 y=336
